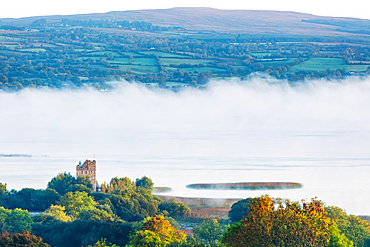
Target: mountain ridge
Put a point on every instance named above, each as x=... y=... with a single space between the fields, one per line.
x=226 y=21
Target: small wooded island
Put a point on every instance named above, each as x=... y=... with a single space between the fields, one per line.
x=247 y=186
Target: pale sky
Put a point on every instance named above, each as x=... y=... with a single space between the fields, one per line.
x=24 y=8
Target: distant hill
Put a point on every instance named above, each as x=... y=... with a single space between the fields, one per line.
x=228 y=21
x=179 y=47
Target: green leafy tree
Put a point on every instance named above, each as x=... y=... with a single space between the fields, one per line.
x=4 y=213
x=85 y=180
x=3 y=193
x=146 y=238
x=97 y=214
x=145 y=183
x=75 y=202
x=355 y=229
x=239 y=210
x=209 y=233
x=79 y=187
x=103 y=243
x=61 y=182
x=65 y=182
x=337 y=239
x=16 y=220
x=128 y=201
x=21 y=239
x=31 y=199
x=272 y=222
x=190 y=242
x=174 y=209
x=83 y=233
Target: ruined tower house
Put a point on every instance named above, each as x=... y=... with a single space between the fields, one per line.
x=88 y=168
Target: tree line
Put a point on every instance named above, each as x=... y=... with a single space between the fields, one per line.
x=58 y=64
x=126 y=213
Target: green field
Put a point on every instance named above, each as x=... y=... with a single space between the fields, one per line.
x=262 y=54
x=163 y=54
x=328 y=52
x=96 y=66
x=33 y=50
x=320 y=64
x=11 y=46
x=120 y=60
x=270 y=59
x=176 y=61
x=132 y=53
x=204 y=69
x=357 y=68
x=102 y=53
x=139 y=68
x=87 y=58
x=145 y=61
x=8 y=39
x=277 y=62
x=41 y=45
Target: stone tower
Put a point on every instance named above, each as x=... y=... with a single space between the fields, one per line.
x=88 y=168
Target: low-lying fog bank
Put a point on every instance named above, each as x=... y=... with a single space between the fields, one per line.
x=231 y=130
x=134 y=119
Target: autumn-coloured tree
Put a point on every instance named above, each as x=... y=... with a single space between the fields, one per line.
x=21 y=239
x=103 y=187
x=119 y=185
x=55 y=212
x=157 y=231
x=273 y=222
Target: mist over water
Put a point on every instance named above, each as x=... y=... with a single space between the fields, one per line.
x=316 y=133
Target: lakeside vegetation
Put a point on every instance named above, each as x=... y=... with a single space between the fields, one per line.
x=72 y=53
x=126 y=213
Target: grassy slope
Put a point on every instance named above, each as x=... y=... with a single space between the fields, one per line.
x=320 y=64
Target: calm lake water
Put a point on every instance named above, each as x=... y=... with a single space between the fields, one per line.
x=317 y=134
